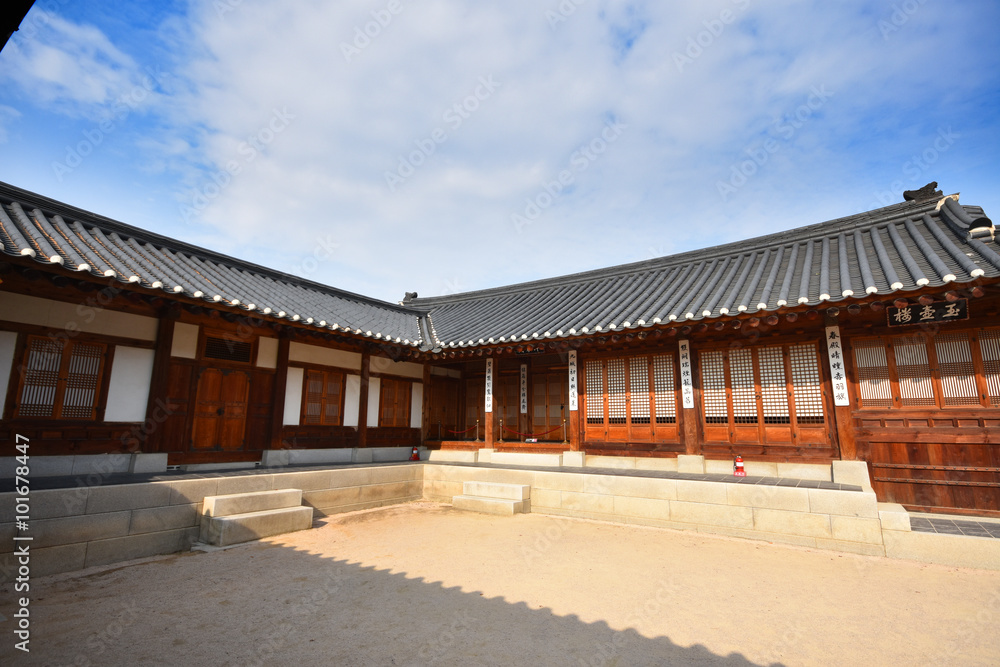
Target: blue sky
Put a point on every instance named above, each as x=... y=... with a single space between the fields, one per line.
x=442 y=146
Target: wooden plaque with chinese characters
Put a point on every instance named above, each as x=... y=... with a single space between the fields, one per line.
x=939 y=311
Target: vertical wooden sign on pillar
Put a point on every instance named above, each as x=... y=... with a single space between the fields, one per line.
x=686 y=363
x=841 y=399
x=573 y=417
x=488 y=406
x=522 y=421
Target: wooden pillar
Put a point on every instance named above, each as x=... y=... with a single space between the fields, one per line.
x=363 y=399
x=425 y=419
x=573 y=416
x=278 y=397
x=842 y=430
x=689 y=409
x=157 y=409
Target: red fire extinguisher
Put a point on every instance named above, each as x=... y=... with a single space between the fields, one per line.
x=415 y=455
x=738 y=470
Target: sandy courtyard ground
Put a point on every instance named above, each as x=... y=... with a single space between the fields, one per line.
x=423 y=584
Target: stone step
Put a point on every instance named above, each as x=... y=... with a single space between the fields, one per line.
x=497 y=490
x=503 y=507
x=257 y=501
x=221 y=531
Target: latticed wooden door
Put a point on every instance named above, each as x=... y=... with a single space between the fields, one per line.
x=61 y=380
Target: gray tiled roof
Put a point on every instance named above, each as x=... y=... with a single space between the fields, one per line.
x=899 y=248
x=53 y=233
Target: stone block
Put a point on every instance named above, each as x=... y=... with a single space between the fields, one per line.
x=761 y=468
x=545 y=498
x=843 y=503
x=769 y=497
x=219 y=467
x=635 y=487
x=244 y=484
x=648 y=508
x=393 y=490
x=101 y=464
x=815 y=471
x=58 y=559
x=618 y=462
x=691 y=463
x=893 y=517
x=156 y=519
x=484 y=455
x=7 y=533
x=244 y=503
x=50 y=503
x=854 y=529
x=319 y=456
x=530 y=460
x=350 y=477
x=852 y=472
x=792 y=523
x=361 y=455
x=234 y=529
x=313 y=480
x=574 y=459
x=186 y=491
x=718 y=467
x=401 y=473
x=126 y=497
x=147 y=463
x=275 y=458
x=495 y=490
x=329 y=498
x=453 y=456
x=437 y=490
x=559 y=481
x=953 y=550
x=81 y=528
x=116 y=550
x=711 y=514
x=649 y=463
x=588 y=502
x=387 y=454
x=702 y=492
x=50 y=466
x=498 y=506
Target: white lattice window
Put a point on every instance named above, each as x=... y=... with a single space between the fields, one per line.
x=872 y=369
x=773 y=387
x=713 y=387
x=616 y=391
x=989 y=346
x=663 y=387
x=595 y=392
x=806 y=384
x=639 y=389
x=743 y=386
x=958 y=374
x=913 y=372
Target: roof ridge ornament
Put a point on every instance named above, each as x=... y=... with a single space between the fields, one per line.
x=925 y=193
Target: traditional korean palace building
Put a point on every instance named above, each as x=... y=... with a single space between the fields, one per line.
x=874 y=337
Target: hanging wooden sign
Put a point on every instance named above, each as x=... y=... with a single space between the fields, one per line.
x=835 y=352
x=687 y=378
x=489 y=386
x=573 y=401
x=524 y=389
x=939 y=311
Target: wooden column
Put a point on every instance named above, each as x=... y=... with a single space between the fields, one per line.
x=573 y=416
x=426 y=407
x=689 y=416
x=278 y=398
x=363 y=399
x=157 y=409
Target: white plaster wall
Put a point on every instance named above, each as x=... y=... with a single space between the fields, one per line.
x=8 y=340
x=85 y=316
x=313 y=354
x=185 y=343
x=293 y=396
x=401 y=368
x=267 y=352
x=374 y=389
x=417 y=405
x=128 y=388
x=352 y=400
